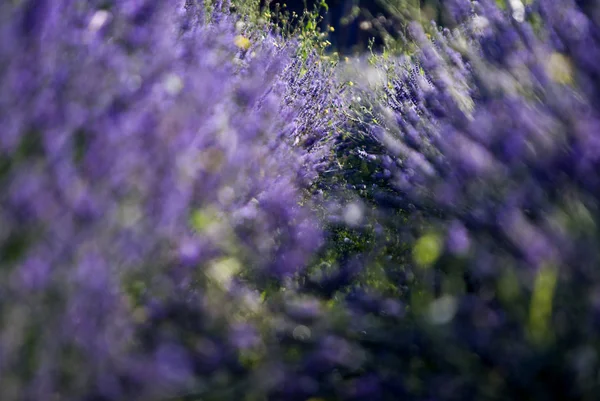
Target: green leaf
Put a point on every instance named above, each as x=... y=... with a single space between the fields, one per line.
x=427 y=249
x=540 y=308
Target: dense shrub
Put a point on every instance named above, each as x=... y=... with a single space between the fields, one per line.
x=194 y=207
x=149 y=151
x=486 y=137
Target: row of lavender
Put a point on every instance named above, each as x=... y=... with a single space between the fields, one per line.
x=149 y=152
x=480 y=156
x=194 y=209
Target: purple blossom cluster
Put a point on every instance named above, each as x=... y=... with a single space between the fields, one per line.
x=486 y=139
x=149 y=152
x=497 y=133
x=195 y=208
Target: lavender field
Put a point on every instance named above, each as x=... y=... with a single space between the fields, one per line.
x=201 y=200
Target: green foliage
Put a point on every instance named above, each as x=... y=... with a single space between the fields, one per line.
x=540 y=311
x=427 y=249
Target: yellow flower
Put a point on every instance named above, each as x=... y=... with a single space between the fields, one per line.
x=560 y=68
x=242 y=42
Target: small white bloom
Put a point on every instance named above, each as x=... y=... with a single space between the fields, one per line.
x=518 y=10
x=173 y=84
x=365 y=25
x=442 y=310
x=479 y=23
x=98 y=20
x=353 y=214
x=301 y=333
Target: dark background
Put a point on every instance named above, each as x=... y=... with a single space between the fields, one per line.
x=350 y=35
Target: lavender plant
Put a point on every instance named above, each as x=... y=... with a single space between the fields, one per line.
x=193 y=207
x=484 y=138
x=150 y=151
